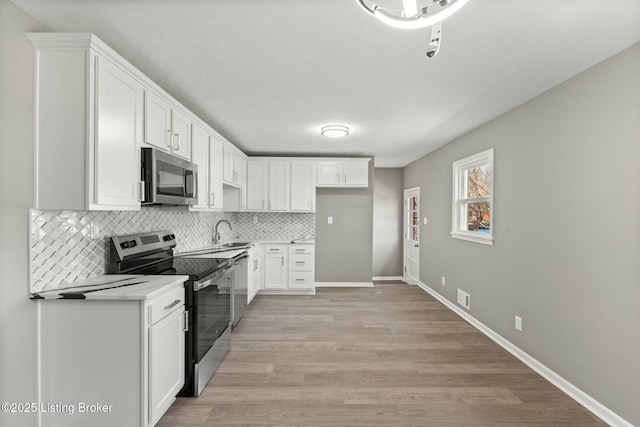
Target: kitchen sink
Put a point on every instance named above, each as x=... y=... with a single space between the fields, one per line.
x=236 y=245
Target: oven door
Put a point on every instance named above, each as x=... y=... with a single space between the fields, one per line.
x=168 y=179
x=212 y=300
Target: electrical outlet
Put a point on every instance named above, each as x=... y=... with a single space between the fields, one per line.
x=329 y=220
x=444 y=283
x=464 y=299
x=518 y=323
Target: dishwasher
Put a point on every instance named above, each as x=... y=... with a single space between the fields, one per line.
x=240 y=287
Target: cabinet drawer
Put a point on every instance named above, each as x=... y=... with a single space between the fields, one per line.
x=297 y=248
x=301 y=262
x=301 y=280
x=166 y=304
x=275 y=249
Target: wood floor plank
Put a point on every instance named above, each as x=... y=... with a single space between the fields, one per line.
x=390 y=355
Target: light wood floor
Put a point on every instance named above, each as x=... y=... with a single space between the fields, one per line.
x=390 y=355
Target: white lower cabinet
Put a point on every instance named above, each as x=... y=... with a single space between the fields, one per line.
x=275 y=267
x=255 y=272
x=289 y=269
x=112 y=362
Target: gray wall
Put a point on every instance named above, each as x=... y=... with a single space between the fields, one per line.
x=387 y=222
x=567 y=229
x=17 y=312
x=343 y=249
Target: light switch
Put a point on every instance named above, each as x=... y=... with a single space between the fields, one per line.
x=424 y=220
x=329 y=220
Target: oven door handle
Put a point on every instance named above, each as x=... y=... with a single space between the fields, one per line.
x=217 y=274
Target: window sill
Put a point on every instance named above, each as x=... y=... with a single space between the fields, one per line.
x=485 y=239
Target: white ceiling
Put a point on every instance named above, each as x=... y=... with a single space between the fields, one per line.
x=268 y=74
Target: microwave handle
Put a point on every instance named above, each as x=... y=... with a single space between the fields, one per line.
x=190 y=184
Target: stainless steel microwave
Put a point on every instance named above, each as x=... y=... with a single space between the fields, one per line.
x=168 y=180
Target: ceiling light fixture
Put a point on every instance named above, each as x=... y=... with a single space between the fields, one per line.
x=413 y=17
x=334 y=131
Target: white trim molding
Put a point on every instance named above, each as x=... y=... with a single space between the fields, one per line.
x=385 y=278
x=597 y=408
x=344 y=284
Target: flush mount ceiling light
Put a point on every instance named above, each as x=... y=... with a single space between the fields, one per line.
x=334 y=131
x=411 y=17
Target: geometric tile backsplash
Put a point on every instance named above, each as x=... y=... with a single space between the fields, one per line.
x=72 y=245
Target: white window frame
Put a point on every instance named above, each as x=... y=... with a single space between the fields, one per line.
x=459 y=199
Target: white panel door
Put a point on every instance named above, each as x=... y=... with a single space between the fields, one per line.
x=181 y=128
x=166 y=363
x=279 y=185
x=412 y=235
x=303 y=191
x=119 y=100
x=200 y=156
x=257 y=187
x=355 y=173
x=215 y=174
x=157 y=121
x=329 y=173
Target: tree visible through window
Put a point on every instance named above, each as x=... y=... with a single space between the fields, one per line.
x=473 y=198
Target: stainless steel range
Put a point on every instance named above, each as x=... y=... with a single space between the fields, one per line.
x=209 y=297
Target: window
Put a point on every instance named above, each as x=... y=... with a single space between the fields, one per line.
x=473 y=198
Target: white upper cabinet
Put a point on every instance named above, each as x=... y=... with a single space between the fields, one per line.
x=181 y=134
x=157 y=121
x=118 y=102
x=257 y=185
x=279 y=185
x=215 y=174
x=166 y=128
x=88 y=126
x=303 y=186
x=206 y=152
x=233 y=167
x=200 y=154
x=343 y=173
x=268 y=185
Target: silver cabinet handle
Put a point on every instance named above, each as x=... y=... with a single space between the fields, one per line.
x=300 y=262
x=140 y=190
x=169 y=139
x=269 y=204
x=299 y=280
x=299 y=250
x=262 y=204
x=345 y=178
x=173 y=304
x=283 y=261
x=186 y=321
x=275 y=249
x=176 y=139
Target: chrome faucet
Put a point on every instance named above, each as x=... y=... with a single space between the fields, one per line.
x=216 y=235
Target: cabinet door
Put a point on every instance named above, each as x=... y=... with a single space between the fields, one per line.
x=200 y=156
x=119 y=100
x=181 y=128
x=228 y=172
x=242 y=166
x=275 y=271
x=215 y=174
x=257 y=179
x=166 y=363
x=279 y=190
x=356 y=173
x=254 y=277
x=157 y=121
x=303 y=191
x=329 y=173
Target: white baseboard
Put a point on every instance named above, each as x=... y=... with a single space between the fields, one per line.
x=597 y=408
x=344 y=284
x=383 y=278
x=287 y=292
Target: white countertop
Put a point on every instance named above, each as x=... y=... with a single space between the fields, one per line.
x=204 y=251
x=115 y=287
